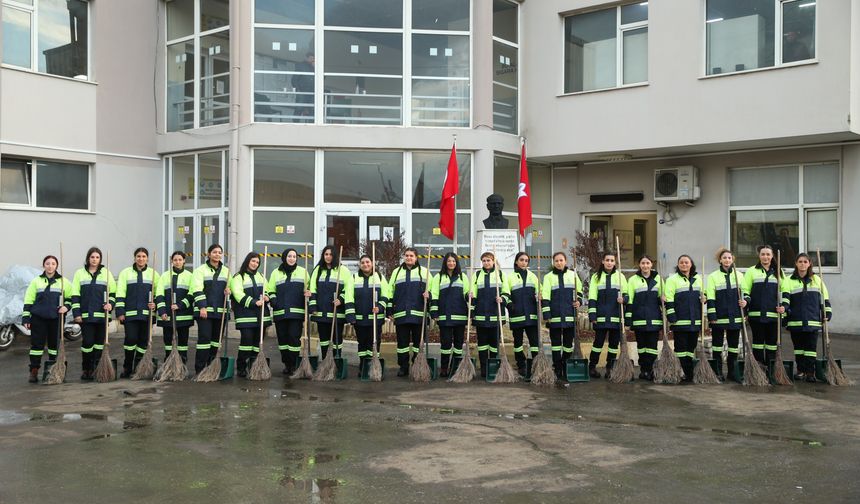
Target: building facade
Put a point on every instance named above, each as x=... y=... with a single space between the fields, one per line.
x=177 y=124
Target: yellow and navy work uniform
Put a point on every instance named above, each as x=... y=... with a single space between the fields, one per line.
x=208 y=284
x=561 y=289
x=246 y=289
x=523 y=287
x=134 y=292
x=725 y=315
x=176 y=285
x=449 y=307
x=287 y=286
x=90 y=292
x=802 y=299
x=363 y=289
x=645 y=316
x=406 y=308
x=324 y=281
x=761 y=290
x=684 y=311
x=41 y=305
x=485 y=312
x=604 y=313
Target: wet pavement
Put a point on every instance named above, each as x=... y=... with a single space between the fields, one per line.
x=396 y=441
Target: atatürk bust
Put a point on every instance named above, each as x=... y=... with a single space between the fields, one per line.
x=495 y=204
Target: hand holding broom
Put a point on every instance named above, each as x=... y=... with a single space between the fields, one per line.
x=57 y=374
x=834 y=374
x=542 y=372
x=622 y=370
x=305 y=371
x=780 y=377
x=667 y=368
x=505 y=373
x=703 y=374
x=145 y=368
x=260 y=370
x=375 y=371
x=420 y=369
x=105 y=371
x=327 y=368
x=466 y=369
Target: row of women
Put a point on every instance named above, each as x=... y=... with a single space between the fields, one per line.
x=335 y=297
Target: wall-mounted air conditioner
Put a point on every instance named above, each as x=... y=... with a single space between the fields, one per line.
x=680 y=183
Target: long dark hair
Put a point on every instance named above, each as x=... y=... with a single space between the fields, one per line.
x=443 y=271
x=284 y=266
x=517 y=258
x=639 y=268
x=601 y=270
x=89 y=253
x=57 y=271
x=776 y=267
x=692 y=265
x=244 y=268
x=321 y=262
x=809 y=272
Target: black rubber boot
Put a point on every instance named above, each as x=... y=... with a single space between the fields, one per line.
x=34 y=375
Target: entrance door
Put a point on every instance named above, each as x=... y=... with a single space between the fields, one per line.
x=193 y=234
x=353 y=228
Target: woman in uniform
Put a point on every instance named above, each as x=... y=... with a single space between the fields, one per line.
x=93 y=298
x=134 y=304
x=366 y=312
x=684 y=311
x=44 y=315
x=488 y=293
x=327 y=276
x=761 y=290
x=249 y=297
x=288 y=289
x=802 y=295
x=523 y=287
x=449 y=308
x=644 y=314
x=173 y=298
x=606 y=298
x=406 y=286
x=210 y=285
x=561 y=296
x=725 y=311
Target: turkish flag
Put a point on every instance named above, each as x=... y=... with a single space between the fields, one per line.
x=447 y=208
x=524 y=195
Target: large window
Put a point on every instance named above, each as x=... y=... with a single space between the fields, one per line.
x=28 y=183
x=284 y=194
x=505 y=66
x=758 y=34
x=506 y=178
x=198 y=63
x=606 y=48
x=363 y=177
x=48 y=36
x=793 y=208
x=428 y=176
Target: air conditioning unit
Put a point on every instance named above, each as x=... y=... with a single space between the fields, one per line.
x=680 y=183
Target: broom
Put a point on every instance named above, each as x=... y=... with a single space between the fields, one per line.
x=780 y=377
x=375 y=372
x=173 y=369
x=667 y=368
x=505 y=373
x=105 y=371
x=420 y=370
x=542 y=372
x=754 y=376
x=212 y=372
x=327 y=368
x=622 y=370
x=577 y=352
x=466 y=369
x=703 y=373
x=305 y=371
x=835 y=376
x=260 y=368
x=146 y=369
x=57 y=374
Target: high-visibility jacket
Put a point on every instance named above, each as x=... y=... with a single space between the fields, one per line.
x=604 y=312
x=684 y=302
x=364 y=285
x=722 y=291
x=406 y=299
x=485 y=310
x=322 y=286
x=179 y=284
x=287 y=293
x=559 y=290
x=133 y=290
x=208 y=285
x=88 y=294
x=449 y=298
x=761 y=290
x=801 y=298
x=246 y=290
x=43 y=297
x=643 y=311
x=522 y=307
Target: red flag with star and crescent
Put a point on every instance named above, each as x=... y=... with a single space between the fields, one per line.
x=524 y=195
x=450 y=188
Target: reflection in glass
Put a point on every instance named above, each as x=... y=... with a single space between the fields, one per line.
x=62 y=185
x=363 y=177
x=635 y=55
x=343 y=231
x=440 y=103
x=772 y=185
x=428 y=176
x=822 y=234
x=214 y=14
x=441 y=15
x=363 y=100
x=505 y=20
x=751 y=228
x=183 y=183
x=283 y=178
x=284 y=11
x=281 y=229
x=440 y=55
x=215 y=79
x=505 y=87
x=739 y=35
x=364 y=13
x=16 y=37
x=209 y=183
x=821 y=183
x=590 y=51
x=798 y=30
x=180 y=86
x=15 y=180
x=62 y=44
x=180 y=18
x=284 y=64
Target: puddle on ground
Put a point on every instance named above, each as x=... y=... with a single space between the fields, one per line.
x=12 y=417
x=320 y=490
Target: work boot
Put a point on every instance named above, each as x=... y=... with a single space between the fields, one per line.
x=608 y=369
x=643 y=375
x=521 y=370
x=592 y=372
x=34 y=375
x=443 y=372
x=403 y=372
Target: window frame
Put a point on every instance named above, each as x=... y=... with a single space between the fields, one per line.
x=33 y=10
x=195 y=37
x=513 y=215
x=620 y=29
x=778 y=44
x=800 y=207
x=32 y=184
x=516 y=46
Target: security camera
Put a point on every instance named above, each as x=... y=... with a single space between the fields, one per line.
x=662 y=221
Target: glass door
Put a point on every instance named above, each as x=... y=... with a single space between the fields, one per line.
x=182 y=238
x=354 y=229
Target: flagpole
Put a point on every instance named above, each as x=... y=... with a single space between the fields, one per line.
x=456 y=253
